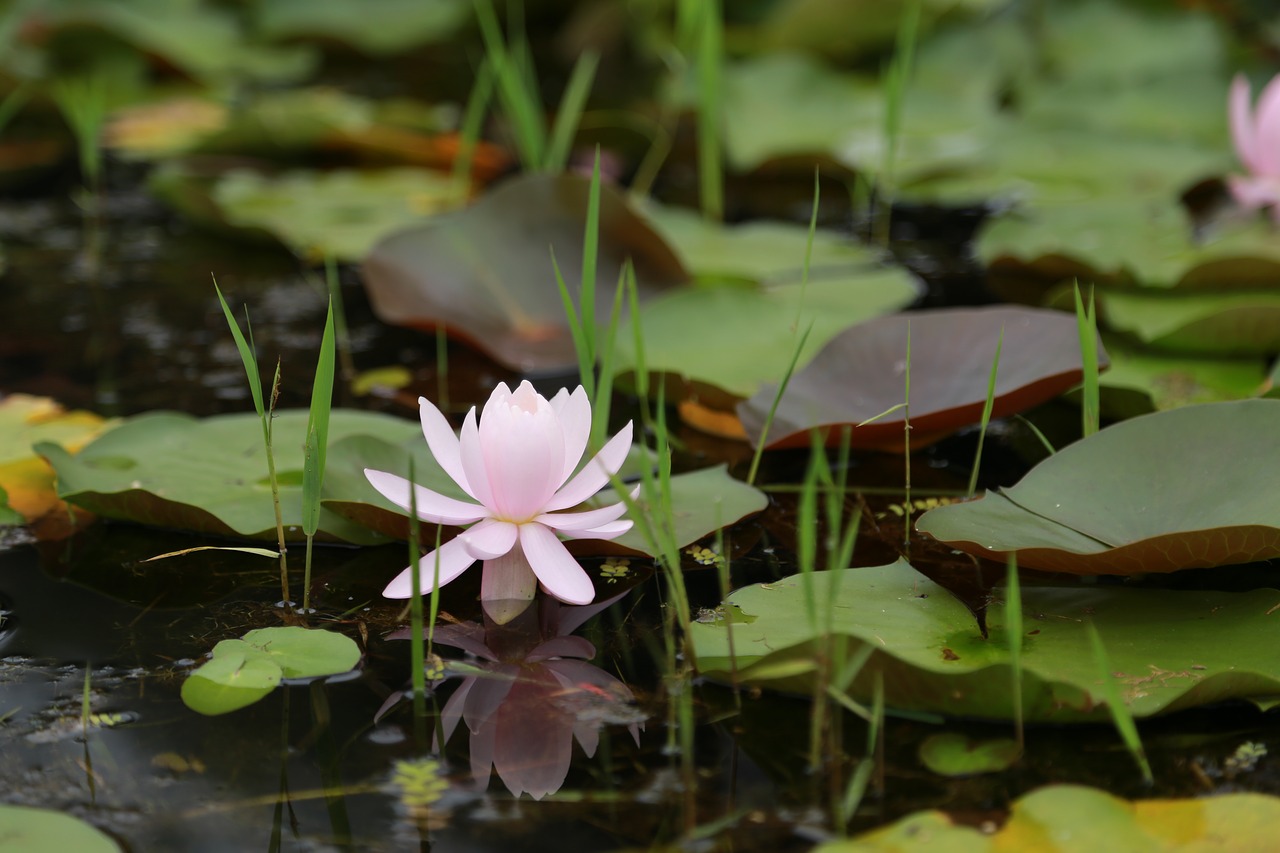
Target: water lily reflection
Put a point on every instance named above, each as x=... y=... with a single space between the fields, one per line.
x=534 y=695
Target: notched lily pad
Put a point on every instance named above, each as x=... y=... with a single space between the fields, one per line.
x=210 y=476
x=485 y=273
x=243 y=671
x=860 y=374
x=956 y=754
x=1169 y=649
x=1186 y=488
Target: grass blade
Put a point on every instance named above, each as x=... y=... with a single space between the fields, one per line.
x=710 y=109
x=986 y=414
x=572 y=103
x=1120 y=714
x=1087 y=325
x=1013 y=629
x=317 y=444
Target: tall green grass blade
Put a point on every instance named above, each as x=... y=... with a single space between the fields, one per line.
x=316 y=448
x=264 y=409
x=1087 y=325
x=773 y=406
x=515 y=90
x=568 y=117
x=808 y=247
x=1013 y=629
x=341 y=332
x=83 y=103
x=711 y=109
x=608 y=351
x=906 y=449
x=590 y=256
x=470 y=127
x=1120 y=714
x=895 y=81
x=986 y=414
x=417 y=656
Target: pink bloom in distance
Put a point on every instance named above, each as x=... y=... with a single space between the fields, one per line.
x=517 y=462
x=1256 y=134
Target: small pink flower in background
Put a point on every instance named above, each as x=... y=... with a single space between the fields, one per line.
x=516 y=463
x=1256 y=134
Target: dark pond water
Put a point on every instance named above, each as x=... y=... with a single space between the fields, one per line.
x=309 y=768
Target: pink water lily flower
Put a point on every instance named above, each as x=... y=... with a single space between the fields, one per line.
x=516 y=462
x=1256 y=134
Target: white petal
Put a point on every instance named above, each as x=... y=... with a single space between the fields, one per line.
x=453 y=561
x=432 y=506
x=523 y=447
x=1243 y=134
x=473 y=460
x=507 y=587
x=442 y=441
x=489 y=539
x=582 y=520
x=555 y=567
x=574 y=411
x=594 y=476
x=612 y=530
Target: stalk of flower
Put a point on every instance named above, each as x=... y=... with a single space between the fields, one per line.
x=517 y=461
x=1256 y=135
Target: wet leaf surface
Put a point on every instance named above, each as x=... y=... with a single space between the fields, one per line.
x=860 y=375
x=1169 y=649
x=1071 y=817
x=25 y=828
x=955 y=754
x=1114 y=503
x=209 y=476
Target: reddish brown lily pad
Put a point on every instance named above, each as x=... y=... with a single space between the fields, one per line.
x=485 y=273
x=861 y=374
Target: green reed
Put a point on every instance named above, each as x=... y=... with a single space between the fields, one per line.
x=1121 y=716
x=1087 y=326
x=316 y=448
x=986 y=414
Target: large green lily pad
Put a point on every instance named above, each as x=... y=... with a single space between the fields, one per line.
x=1186 y=488
x=1065 y=818
x=859 y=374
x=243 y=671
x=485 y=273
x=1169 y=649
x=1141 y=381
x=210 y=476
x=377 y=27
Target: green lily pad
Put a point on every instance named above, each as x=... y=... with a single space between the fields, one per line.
x=1121 y=241
x=1071 y=817
x=23 y=828
x=376 y=27
x=1196 y=322
x=738 y=327
x=1169 y=649
x=1186 y=488
x=210 y=476
x=955 y=754
x=202 y=40
x=1141 y=381
x=243 y=671
x=485 y=273
x=342 y=213
x=952 y=351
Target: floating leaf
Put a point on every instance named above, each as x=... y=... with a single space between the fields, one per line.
x=859 y=375
x=1187 y=488
x=1071 y=817
x=955 y=754
x=1142 y=381
x=210 y=476
x=25 y=479
x=243 y=671
x=377 y=27
x=485 y=273
x=23 y=828
x=1169 y=649
x=342 y=213
x=739 y=326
